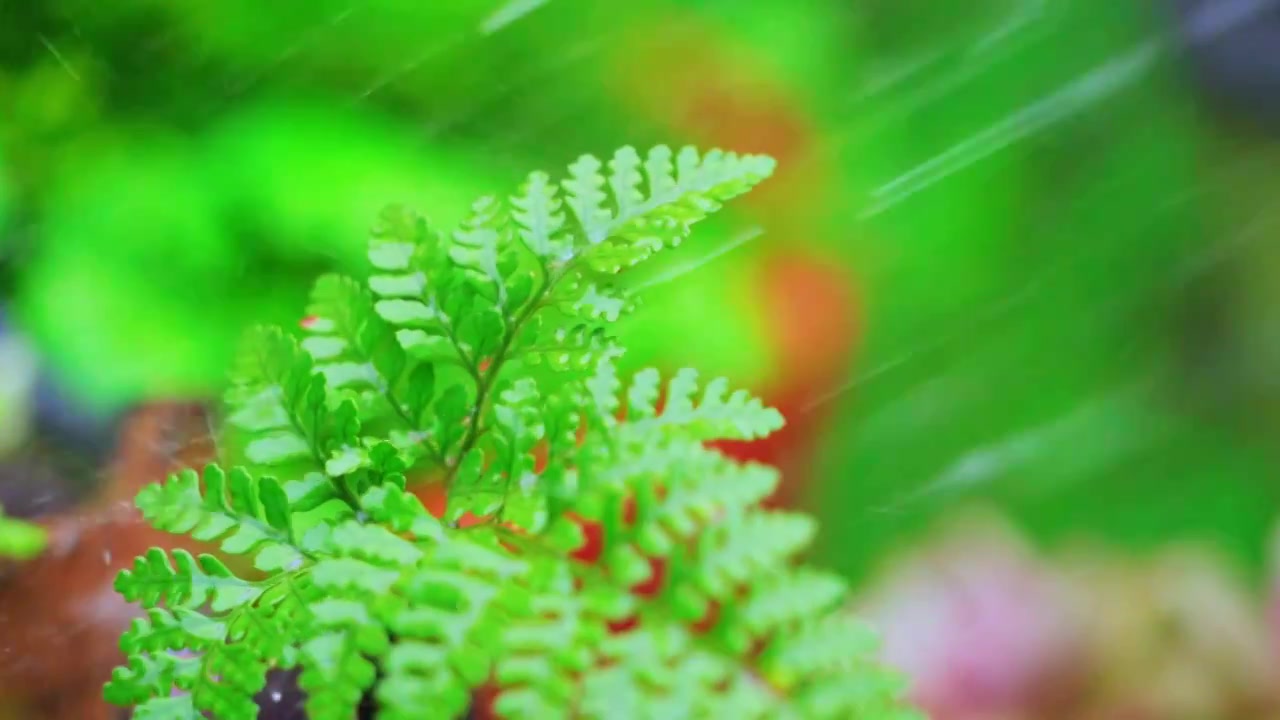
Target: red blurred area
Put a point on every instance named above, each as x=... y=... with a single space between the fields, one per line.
x=716 y=92
x=813 y=316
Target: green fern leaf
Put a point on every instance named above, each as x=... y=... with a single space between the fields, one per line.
x=790 y=598
x=283 y=405
x=639 y=225
x=833 y=643
x=154 y=669
x=352 y=343
x=537 y=211
x=170 y=708
x=448 y=615
x=713 y=416
x=359 y=352
x=402 y=512
x=480 y=246
x=336 y=669
x=432 y=371
x=732 y=551
x=231 y=674
x=545 y=651
x=508 y=486
x=193 y=583
x=248 y=517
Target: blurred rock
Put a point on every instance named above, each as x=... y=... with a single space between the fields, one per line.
x=34 y=408
x=1233 y=48
x=60 y=616
x=31 y=490
x=66 y=423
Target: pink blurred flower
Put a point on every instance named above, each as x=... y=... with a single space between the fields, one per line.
x=983 y=629
x=1273 y=601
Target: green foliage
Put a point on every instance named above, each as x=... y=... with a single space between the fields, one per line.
x=482 y=360
x=122 y=313
x=19 y=540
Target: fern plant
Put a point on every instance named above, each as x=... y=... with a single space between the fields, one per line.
x=481 y=363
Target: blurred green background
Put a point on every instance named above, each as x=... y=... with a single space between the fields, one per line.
x=1018 y=255
x=1016 y=252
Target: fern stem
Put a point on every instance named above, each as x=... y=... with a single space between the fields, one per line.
x=465 y=359
x=486 y=380
x=390 y=395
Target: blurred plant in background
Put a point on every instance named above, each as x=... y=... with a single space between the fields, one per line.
x=238 y=130
x=1177 y=635
x=989 y=628
x=1048 y=263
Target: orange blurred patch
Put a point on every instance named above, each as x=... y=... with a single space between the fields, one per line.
x=813 y=312
x=692 y=77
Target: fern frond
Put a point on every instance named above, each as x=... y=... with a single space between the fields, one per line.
x=500 y=475
x=155 y=668
x=538 y=212
x=336 y=666
x=359 y=352
x=401 y=511
x=712 y=416
x=248 y=516
x=625 y=227
x=169 y=708
x=482 y=247
x=283 y=407
x=829 y=667
x=547 y=650
x=195 y=582
x=152 y=643
x=695 y=603
x=352 y=345
x=689 y=502
x=732 y=551
x=231 y=674
x=787 y=599
x=448 y=618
